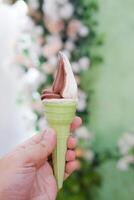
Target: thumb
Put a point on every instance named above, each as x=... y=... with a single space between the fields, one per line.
x=36 y=150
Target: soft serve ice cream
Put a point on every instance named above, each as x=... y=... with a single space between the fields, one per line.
x=60 y=107
x=64 y=85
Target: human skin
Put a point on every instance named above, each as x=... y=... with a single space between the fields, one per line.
x=26 y=173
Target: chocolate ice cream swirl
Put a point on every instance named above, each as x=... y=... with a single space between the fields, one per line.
x=58 y=85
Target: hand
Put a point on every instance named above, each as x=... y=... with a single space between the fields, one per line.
x=25 y=173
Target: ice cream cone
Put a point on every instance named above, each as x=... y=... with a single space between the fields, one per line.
x=59 y=115
x=60 y=106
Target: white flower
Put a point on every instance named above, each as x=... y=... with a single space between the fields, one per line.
x=54 y=26
x=129 y=138
x=37 y=106
x=21 y=7
x=124 y=149
x=34 y=4
x=42 y=123
x=66 y=11
x=73 y=28
x=81 y=106
x=28 y=113
x=61 y=1
x=53 y=45
x=33 y=78
x=82 y=133
x=75 y=67
x=29 y=26
x=38 y=30
x=36 y=96
x=56 y=10
x=51 y=9
x=53 y=61
x=125 y=143
x=84 y=63
x=82 y=100
x=25 y=41
x=69 y=45
x=89 y=155
x=82 y=94
x=83 y=31
x=29 y=118
x=66 y=52
x=48 y=69
x=129 y=159
x=122 y=164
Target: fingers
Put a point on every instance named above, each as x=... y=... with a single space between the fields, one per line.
x=71 y=143
x=71 y=167
x=70 y=155
x=76 y=123
x=71 y=140
x=38 y=148
x=72 y=164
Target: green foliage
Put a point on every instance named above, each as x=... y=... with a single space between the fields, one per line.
x=80 y=184
x=85 y=11
x=131 y=151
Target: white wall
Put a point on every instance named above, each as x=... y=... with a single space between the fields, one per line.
x=12 y=128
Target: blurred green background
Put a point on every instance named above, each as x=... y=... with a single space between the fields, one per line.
x=111 y=106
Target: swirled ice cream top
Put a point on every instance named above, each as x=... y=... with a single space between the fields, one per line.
x=64 y=85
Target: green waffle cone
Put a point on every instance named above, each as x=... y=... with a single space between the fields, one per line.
x=59 y=116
